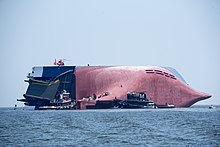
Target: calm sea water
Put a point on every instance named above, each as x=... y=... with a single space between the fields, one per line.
x=196 y=126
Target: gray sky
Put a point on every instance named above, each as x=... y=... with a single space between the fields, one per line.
x=183 y=34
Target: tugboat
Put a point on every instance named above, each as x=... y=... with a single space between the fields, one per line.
x=63 y=103
x=137 y=100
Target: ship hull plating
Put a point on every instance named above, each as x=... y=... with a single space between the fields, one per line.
x=161 y=85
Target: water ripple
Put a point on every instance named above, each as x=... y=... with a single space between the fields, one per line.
x=176 y=127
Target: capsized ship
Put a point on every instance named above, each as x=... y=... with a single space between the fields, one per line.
x=103 y=87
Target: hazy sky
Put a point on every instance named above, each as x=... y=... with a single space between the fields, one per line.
x=184 y=34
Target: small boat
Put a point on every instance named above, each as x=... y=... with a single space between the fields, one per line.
x=211 y=107
x=166 y=106
x=63 y=103
x=137 y=100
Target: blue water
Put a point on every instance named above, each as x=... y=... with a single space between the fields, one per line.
x=196 y=126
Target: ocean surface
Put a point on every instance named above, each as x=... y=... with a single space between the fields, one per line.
x=195 y=126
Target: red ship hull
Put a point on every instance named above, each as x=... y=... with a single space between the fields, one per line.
x=160 y=84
